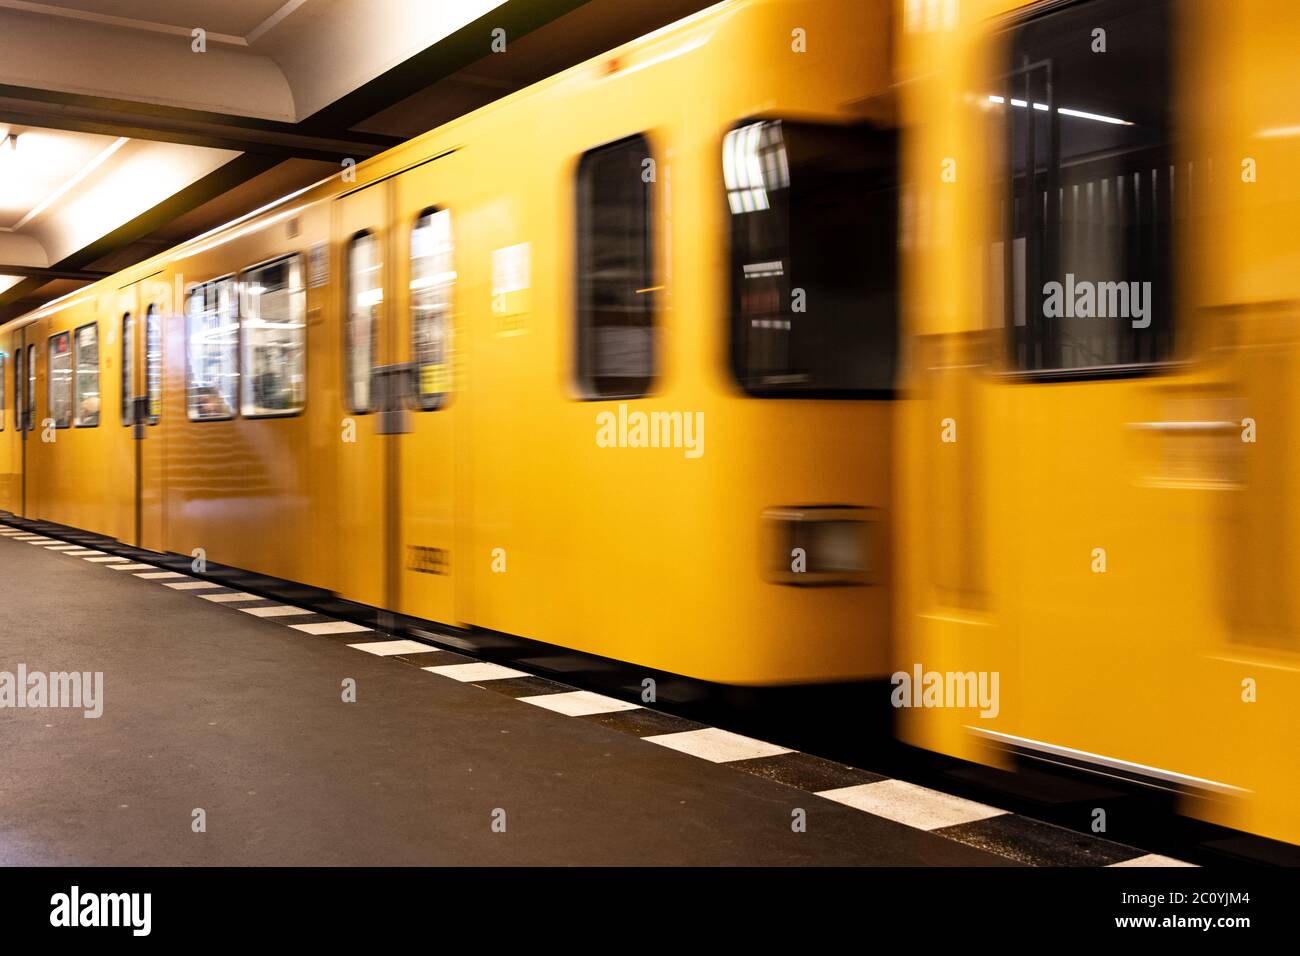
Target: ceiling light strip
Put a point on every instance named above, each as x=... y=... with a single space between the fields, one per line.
x=72 y=183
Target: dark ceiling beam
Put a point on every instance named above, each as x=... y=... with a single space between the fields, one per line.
x=80 y=113
x=38 y=272
x=453 y=52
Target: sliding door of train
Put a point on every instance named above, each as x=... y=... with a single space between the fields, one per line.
x=16 y=382
x=138 y=340
x=1111 y=436
x=424 y=241
x=10 y=440
x=396 y=495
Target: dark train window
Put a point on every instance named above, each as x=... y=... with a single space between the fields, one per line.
x=433 y=277
x=213 y=323
x=58 y=368
x=814 y=240
x=85 y=356
x=273 y=320
x=128 y=371
x=1091 y=192
x=365 y=298
x=616 y=292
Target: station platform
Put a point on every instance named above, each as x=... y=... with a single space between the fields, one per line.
x=226 y=707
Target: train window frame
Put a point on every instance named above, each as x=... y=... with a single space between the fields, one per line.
x=735 y=345
x=152 y=321
x=77 y=399
x=65 y=335
x=376 y=322
x=433 y=401
x=233 y=280
x=1008 y=366
x=584 y=374
x=127 y=377
x=4 y=383
x=29 y=411
x=20 y=385
x=244 y=341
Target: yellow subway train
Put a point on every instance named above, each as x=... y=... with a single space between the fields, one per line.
x=1096 y=475
x=577 y=367
x=797 y=343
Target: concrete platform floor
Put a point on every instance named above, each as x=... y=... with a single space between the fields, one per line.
x=209 y=706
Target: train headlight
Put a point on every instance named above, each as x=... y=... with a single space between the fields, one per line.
x=822 y=545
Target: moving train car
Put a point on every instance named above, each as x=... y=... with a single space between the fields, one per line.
x=578 y=367
x=1096 y=469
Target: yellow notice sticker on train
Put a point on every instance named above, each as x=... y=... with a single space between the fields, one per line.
x=511 y=277
x=434 y=378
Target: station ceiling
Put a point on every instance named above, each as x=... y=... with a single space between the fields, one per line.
x=122 y=134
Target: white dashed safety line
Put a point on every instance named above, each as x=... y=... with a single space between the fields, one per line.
x=226 y=598
x=160 y=575
x=918 y=807
x=105 y=560
x=274 y=610
x=191 y=585
x=63 y=547
x=331 y=627
x=580 y=703
x=390 y=648
x=479 y=670
x=717 y=746
x=130 y=567
x=1151 y=859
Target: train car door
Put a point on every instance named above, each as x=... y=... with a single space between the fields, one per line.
x=22 y=415
x=31 y=420
x=1106 y=445
x=397 y=511
x=424 y=244
x=366 y=512
x=142 y=305
x=10 y=492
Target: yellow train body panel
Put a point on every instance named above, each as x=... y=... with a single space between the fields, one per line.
x=1119 y=547
x=500 y=510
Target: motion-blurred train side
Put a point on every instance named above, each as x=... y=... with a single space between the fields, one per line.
x=1096 y=497
x=406 y=389
x=577 y=367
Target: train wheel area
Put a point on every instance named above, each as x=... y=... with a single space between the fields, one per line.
x=219 y=727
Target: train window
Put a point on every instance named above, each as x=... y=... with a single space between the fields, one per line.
x=616 y=301
x=18 y=388
x=152 y=365
x=432 y=277
x=814 y=223
x=212 y=318
x=29 y=408
x=273 y=319
x=85 y=347
x=59 y=382
x=128 y=372
x=1090 y=191
x=365 y=297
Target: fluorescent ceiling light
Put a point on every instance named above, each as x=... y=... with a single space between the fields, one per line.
x=1066 y=111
